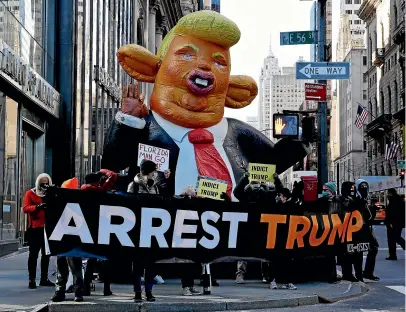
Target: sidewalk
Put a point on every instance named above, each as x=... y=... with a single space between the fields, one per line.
x=15 y=296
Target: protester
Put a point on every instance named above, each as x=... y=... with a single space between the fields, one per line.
x=325 y=201
x=34 y=207
x=347 y=200
x=282 y=264
x=373 y=244
x=102 y=181
x=147 y=180
x=63 y=264
x=395 y=222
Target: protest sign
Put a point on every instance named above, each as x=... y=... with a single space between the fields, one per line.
x=211 y=188
x=158 y=155
x=261 y=172
x=198 y=229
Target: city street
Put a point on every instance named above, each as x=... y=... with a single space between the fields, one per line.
x=385 y=295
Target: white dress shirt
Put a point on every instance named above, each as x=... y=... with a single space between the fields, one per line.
x=186 y=168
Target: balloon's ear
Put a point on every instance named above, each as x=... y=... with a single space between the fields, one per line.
x=138 y=62
x=242 y=90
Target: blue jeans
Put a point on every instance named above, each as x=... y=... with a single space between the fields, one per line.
x=138 y=272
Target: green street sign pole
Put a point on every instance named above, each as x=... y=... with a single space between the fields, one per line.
x=298 y=37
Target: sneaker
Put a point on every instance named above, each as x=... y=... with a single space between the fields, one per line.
x=46 y=283
x=392 y=258
x=150 y=296
x=289 y=286
x=273 y=285
x=78 y=298
x=107 y=292
x=58 y=297
x=239 y=279
x=194 y=291
x=138 y=297
x=215 y=283
x=32 y=284
x=159 y=280
x=187 y=292
x=265 y=280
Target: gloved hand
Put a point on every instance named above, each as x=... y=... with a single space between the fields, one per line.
x=225 y=197
x=41 y=206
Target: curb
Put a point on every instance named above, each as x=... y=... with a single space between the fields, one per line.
x=354 y=290
x=226 y=305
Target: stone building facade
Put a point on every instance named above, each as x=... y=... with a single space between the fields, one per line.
x=385 y=81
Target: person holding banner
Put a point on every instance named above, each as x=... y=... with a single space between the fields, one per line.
x=63 y=264
x=348 y=260
x=34 y=207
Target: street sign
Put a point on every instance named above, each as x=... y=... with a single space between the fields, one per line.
x=298 y=37
x=322 y=70
x=401 y=164
x=315 y=92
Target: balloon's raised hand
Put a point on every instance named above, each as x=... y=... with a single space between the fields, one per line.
x=132 y=102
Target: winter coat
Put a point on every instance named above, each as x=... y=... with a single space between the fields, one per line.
x=140 y=186
x=32 y=198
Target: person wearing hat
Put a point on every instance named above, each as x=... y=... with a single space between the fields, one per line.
x=147 y=181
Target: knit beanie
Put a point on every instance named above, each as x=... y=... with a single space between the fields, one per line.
x=147 y=166
x=332 y=187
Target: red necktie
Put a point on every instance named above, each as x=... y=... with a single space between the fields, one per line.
x=208 y=160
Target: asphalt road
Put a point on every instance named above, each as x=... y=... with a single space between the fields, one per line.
x=387 y=295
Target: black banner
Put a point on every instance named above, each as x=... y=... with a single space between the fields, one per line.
x=198 y=229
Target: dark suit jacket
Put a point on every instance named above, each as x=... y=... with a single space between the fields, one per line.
x=243 y=144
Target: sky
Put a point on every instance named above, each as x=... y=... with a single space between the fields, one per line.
x=261 y=21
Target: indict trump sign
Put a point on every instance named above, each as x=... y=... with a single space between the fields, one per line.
x=322 y=70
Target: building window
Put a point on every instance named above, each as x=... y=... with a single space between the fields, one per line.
x=364 y=94
x=348 y=11
x=357 y=1
x=382 y=104
x=348 y=1
x=357 y=22
x=364 y=60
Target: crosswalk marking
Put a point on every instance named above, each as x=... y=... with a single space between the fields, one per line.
x=400 y=289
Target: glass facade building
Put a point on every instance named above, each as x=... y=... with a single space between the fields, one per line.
x=29 y=108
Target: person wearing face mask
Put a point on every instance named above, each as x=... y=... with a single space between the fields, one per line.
x=147 y=180
x=34 y=207
x=368 y=214
x=348 y=201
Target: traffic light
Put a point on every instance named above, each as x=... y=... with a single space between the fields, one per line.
x=308 y=128
x=402 y=174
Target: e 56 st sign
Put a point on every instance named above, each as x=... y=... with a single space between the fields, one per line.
x=298 y=37
x=322 y=70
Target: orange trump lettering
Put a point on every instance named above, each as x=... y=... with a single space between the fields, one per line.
x=313 y=240
x=338 y=227
x=273 y=221
x=294 y=234
x=352 y=228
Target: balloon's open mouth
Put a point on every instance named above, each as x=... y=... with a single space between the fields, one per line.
x=200 y=83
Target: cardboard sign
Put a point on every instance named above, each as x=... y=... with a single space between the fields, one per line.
x=261 y=172
x=210 y=188
x=158 y=155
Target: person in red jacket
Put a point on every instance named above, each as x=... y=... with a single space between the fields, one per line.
x=34 y=207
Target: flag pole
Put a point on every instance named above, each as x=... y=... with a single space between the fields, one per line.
x=374 y=117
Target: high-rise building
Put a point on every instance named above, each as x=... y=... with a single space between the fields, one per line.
x=385 y=78
x=253 y=121
x=29 y=109
x=213 y=5
x=352 y=92
x=278 y=90
x=351 y=30
x=313 y=26
x=268 y=71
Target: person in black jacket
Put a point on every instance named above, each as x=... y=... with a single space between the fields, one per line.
x=347 y=200
x=368 y=214
x=395 y=222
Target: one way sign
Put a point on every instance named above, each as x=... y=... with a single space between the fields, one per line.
x=323 y=71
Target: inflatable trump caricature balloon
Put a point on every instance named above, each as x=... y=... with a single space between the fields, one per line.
x=185 y=130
